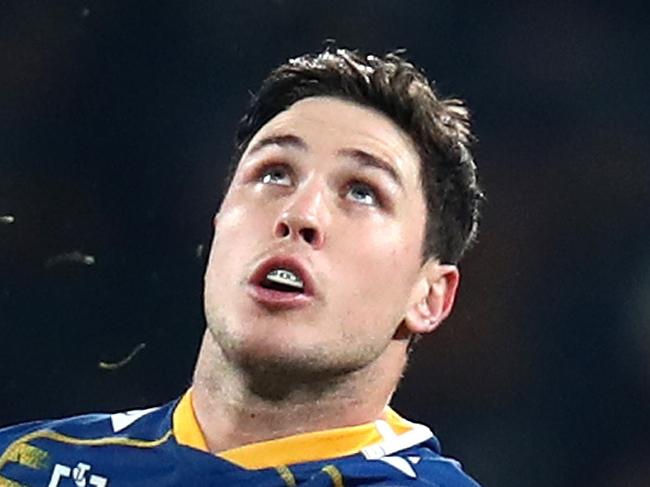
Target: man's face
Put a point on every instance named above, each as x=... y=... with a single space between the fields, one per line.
x=333 y=189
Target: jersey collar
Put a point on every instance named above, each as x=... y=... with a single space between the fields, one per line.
x=305 y=447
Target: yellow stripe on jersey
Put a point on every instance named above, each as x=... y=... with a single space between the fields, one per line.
x=5 y=482
x=335 y=475
x=27 y=455
x=304 y=447
x=9 y=454
x=286 y=475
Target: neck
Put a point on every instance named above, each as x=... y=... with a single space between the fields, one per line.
x=233 y=410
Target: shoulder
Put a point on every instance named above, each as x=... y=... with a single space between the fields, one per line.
x=412 y=458
x=436 y=469
x=417 y=466
x=421 y=465
x=88 y=427
x=59 y=448
x=416 y=458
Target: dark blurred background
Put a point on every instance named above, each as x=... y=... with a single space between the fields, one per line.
x=116 y=121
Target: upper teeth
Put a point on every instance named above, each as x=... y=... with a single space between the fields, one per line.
x=284 y=276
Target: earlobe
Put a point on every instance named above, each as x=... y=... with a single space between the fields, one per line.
x=433 y=299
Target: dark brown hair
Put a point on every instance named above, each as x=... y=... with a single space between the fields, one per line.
x=439 y=128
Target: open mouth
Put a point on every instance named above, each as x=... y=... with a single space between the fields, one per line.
x=283 y=280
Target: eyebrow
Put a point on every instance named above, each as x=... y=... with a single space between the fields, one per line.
x=365 y=159
x=362 y=158
x=282 y=141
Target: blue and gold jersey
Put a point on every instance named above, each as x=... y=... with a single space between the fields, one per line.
x=164 y=446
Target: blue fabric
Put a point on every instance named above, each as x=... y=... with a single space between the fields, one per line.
x=85 y=451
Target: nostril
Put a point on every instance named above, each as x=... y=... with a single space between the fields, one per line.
x=308 y=234
x=283 y=230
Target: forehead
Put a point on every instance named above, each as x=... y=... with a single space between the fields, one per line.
x=329 y=124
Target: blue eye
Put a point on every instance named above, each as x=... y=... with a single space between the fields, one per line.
x=275 y=175
x=362 y=193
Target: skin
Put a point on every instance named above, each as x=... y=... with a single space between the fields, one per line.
x=336 y=361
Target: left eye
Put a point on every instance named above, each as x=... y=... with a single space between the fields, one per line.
x=362 y=193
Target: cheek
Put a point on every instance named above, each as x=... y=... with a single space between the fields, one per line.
x=230 y=217
x=229 y=241
x=237 y=226
x=385 y=261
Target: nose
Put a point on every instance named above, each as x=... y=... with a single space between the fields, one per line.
x=305 y=217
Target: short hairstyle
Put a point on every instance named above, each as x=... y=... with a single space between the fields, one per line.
x=439 y=128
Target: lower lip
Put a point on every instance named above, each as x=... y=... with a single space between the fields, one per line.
x=277 y=299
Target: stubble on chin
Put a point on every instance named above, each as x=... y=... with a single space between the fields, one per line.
x=283 y=372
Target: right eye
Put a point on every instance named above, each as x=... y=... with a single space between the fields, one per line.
x=275 y=175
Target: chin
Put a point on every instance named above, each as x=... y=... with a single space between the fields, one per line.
x=281 y=348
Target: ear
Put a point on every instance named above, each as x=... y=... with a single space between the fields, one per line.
x=432 y=297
